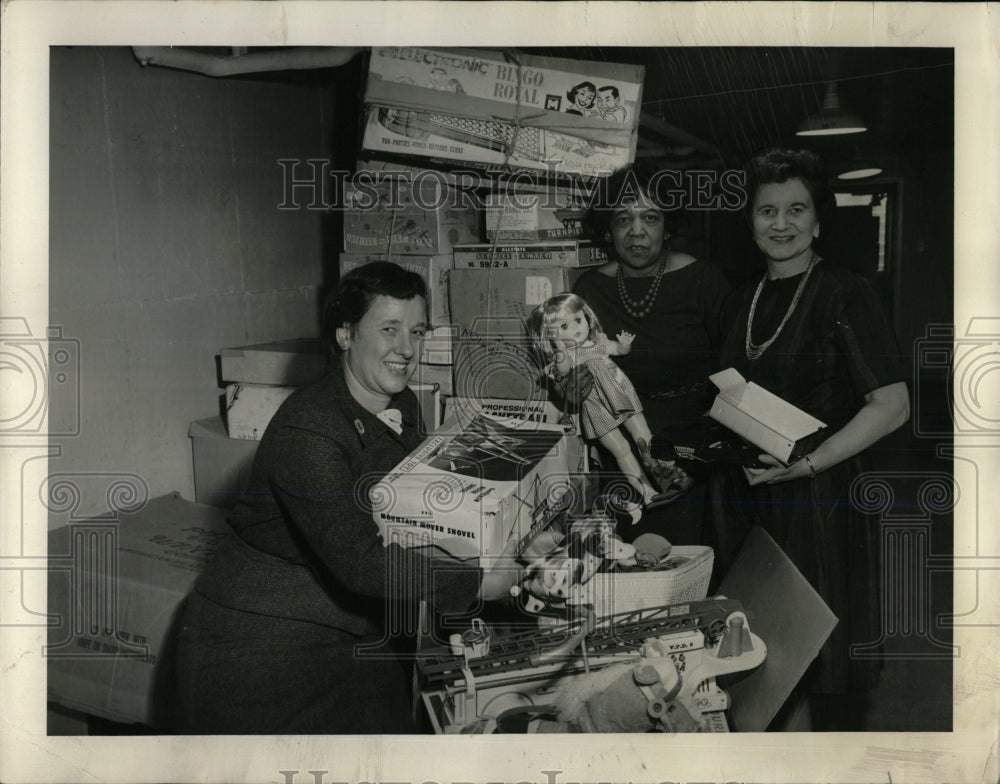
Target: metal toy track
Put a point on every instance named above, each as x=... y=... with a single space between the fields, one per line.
x=617 y=635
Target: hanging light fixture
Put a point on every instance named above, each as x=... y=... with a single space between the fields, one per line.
x=858 y=167
x=859 y=170
x=831 y=119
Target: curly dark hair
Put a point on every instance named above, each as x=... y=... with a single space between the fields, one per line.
x=640 y=178
x=777 y=166
x=359 y=288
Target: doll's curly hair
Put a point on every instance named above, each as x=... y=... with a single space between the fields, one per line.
x=542 y=317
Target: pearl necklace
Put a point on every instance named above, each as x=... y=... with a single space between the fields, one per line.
x=755 y=351
x=639 y=310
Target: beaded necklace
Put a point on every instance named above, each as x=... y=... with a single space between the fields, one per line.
x=755 y=351
x=639 y=310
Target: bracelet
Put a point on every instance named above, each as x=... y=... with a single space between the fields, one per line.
x=812 y=468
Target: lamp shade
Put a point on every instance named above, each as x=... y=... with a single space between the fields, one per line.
x=858 y=166
x=831 y=119
x=860 y=170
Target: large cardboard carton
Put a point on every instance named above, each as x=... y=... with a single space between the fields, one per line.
x=533 y=217
x=469 y=490
x=488 y=142
x=479 y=108
x=115 y=589
x=249 y=408
x=221 y=464
x=290 y=363
x=403 y=216
x=761 y=417
x=435 y=270
x=495 y=294
x=534 y=255
x=451 y=79
x=493 y=355
x=494 y=359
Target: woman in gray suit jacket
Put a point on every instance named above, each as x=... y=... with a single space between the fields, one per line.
x=285 y=632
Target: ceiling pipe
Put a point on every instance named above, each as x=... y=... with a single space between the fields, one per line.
x=253 y=62
x=666 y=130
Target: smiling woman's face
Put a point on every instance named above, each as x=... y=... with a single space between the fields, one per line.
x=584 y=98
x=383 y=349
x=784 y=220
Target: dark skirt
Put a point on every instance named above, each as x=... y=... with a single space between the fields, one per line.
x=246 y=673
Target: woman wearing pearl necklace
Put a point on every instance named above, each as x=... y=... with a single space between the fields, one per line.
x=814 y=334
x=672 y=303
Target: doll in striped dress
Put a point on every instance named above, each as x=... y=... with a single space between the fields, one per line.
x=566 y=333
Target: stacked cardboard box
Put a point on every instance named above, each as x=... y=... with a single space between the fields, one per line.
x=529 y=255
x=533 y=216
x=260 y=377
x=221 y=464
x=462 y=111
x=411 y=215
x=555 y=125
x=257 y=379
x=481 y=108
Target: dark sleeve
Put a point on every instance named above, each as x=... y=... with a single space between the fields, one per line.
x=867 y=339
x=714 y=289
x=328 y=507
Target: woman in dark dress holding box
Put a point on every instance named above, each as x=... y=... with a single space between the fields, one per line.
x=286 y=631
x=815 y=335
x=672 y=303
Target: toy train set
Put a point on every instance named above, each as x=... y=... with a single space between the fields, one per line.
x=651 y=669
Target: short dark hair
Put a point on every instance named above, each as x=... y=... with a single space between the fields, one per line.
x=777 y=166
x=610 y=194
x=359 y=288
x=612 y=88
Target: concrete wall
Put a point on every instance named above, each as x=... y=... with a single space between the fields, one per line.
x=165 y=246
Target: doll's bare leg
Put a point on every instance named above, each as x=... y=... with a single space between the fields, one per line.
x=616 y=443
x=639 y=428
x=665 y=473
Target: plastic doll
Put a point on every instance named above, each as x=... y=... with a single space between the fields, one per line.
x=565 y=331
